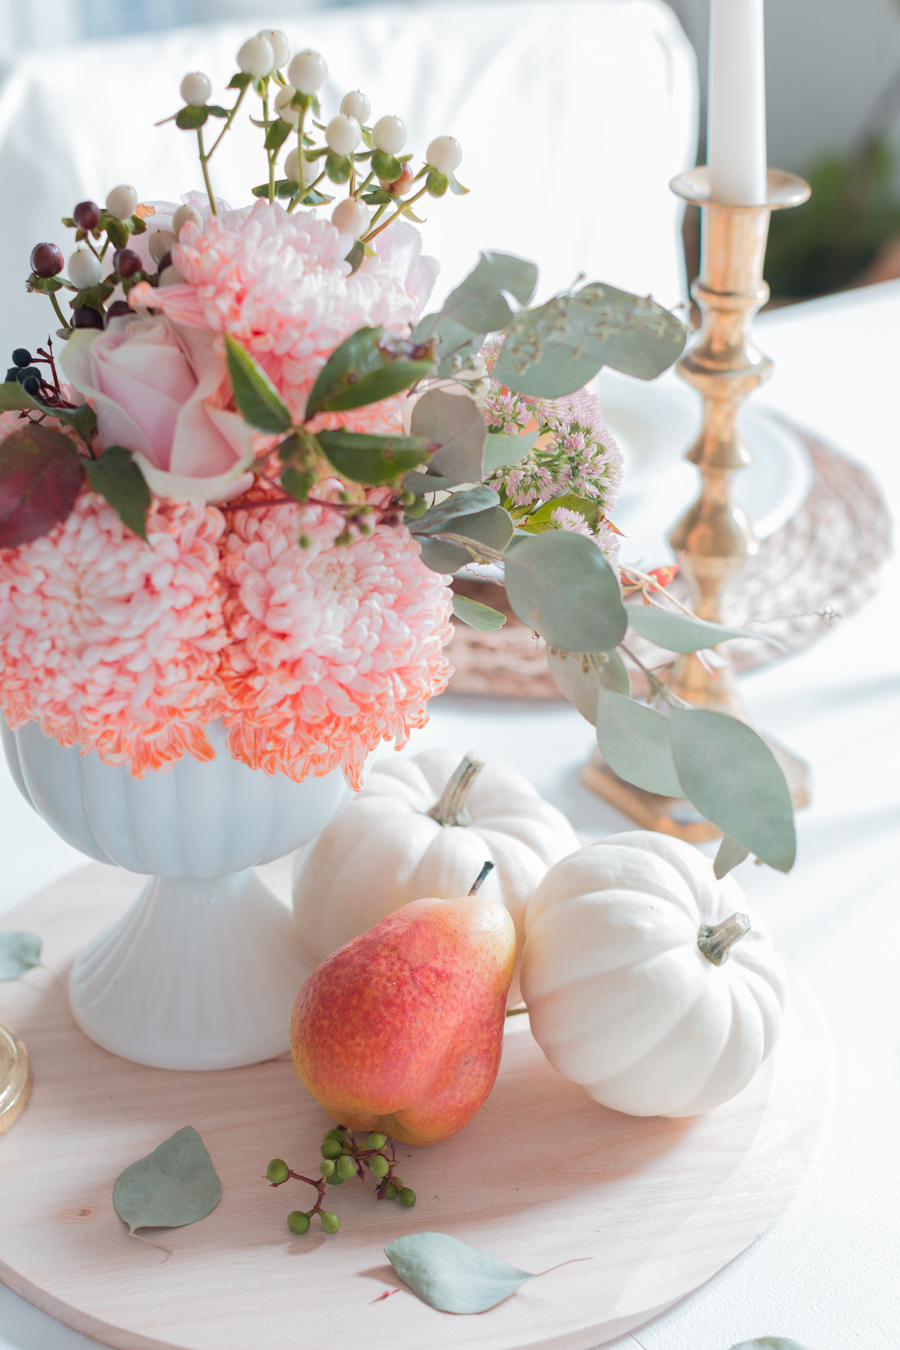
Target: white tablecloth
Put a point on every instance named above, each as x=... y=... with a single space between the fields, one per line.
x=825 y=1274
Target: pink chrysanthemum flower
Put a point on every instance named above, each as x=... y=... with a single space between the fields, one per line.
x=332 y=649
x=279 y=284
x=109 y=643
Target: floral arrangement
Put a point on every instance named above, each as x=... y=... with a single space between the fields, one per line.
x=240 y=491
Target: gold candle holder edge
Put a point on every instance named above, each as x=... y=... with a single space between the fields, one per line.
x=15 y=1077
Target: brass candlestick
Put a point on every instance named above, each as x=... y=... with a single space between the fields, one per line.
x=15 y=1077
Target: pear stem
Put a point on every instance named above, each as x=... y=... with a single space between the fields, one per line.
x=451 y=808
x=488 y=867
x=716 y=942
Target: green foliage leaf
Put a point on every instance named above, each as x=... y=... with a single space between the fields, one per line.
x=456 y=187
x=277 y=134
x=560 y=346
x=215 y=110
x=386 y=167
x=117 y=478
x=682 y=632
x=455 y=424
x=259 y=402
x=239 y=81
x=542 y=518
x=338 y=167
x=377 y=198
x=40 y=477
x=367 y=367
x=634 y=741
x=477 y=615
x=444 y=515
x=94 y=296
x=296 y=482
x=436 y=184
x=137 y=225
x=117 y=230
x=731 y=775
x=18 y=952
x=581 y=676
x=426 y=482
x=355 y=256
x=174 y=1185
x=501 y=451
x=190 y=118
x=729 y=855
x=372 y=459
x=561 y=585
x=450 y=1275
x=492 y=527
x=479 y=303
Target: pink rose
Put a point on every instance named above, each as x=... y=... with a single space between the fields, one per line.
x=155 y=387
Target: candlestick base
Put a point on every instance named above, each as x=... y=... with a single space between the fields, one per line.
x=15 y=1078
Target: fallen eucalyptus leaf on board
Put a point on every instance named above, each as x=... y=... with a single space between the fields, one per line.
x=18 y=952
x=174 y=1185
x=770 y=1343
x=450 y=1275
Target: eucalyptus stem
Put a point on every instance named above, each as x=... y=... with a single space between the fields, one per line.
x=203 y=164
x=390 y=220
x=451 y=808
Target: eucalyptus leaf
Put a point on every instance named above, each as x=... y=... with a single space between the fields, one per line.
x=500 y=451
x=729 y=855
x=581 y=676
x=479 y=302
x=560 y=346
x=731 y=775
x=18 y=952
x=455 y=347
x=561 y=585
x=438 y=517
x=367 y=367
x=682 y=632
x=477 y=615
x=492 y=528
x=174 y=1185
x=770 y=1343
x=452 y=1276
x=116 y=477
x=258 y=400
x=634 y=741
x=420 y=483
x=454 y=423
x=372 y=459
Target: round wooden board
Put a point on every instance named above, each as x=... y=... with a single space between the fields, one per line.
x=541 y=1176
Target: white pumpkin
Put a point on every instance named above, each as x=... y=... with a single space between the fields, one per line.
x=423 y=827
x=622 y=996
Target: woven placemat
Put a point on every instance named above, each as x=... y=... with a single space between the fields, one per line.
x=818 y=568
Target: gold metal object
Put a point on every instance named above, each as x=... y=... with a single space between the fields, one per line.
x=714 y=535
x=15 y=1077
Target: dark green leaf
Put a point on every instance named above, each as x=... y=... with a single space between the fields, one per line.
x=277 y=134
x=377 y=198
x=455 y=424
x=137 y=225
x=13 y=398
x=436 y=183
x=634 y=741
x=561 y=585
x=338 y=167
x=443 y=516
x=117 y=478
x=372 y=459
x=477 y=615
x=48 y=285
x=190 y=118
x=296 y=482
x=316 y=198
x=560 y=346
x=386 y=167
x=501 y=451
x=479 y=303
x=729 y=855
x=355 y=256
x=239 y=81
x=367 y=367
x=682 y=632
x=215 y=110
x=18 y=952
x=581 y=676
x=731 y=775
x=40 y=477
x=451 y=1276
x=258 y=400
x=174 y=1185
x=118 y=232
x=542 y=518
x=95 y=296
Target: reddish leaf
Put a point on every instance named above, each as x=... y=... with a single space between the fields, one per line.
x=40 y=476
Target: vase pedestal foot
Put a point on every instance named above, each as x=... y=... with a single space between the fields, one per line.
x=199 y=974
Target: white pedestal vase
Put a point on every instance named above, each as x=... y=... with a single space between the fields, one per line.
x=203 y=970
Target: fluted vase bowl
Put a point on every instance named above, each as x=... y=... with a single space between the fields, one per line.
x=202 y=971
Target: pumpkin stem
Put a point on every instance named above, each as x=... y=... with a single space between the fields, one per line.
x=716 y=942
x=451 y=809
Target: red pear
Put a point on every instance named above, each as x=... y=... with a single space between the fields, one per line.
x=401 y=1029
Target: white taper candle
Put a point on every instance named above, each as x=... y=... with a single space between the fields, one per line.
x=736 y=128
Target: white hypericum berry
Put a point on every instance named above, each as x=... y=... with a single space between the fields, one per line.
x=122 y=201
x=84 y=268
x=170 y=276
x=196 y=88
x=278 y=42
x=342 y=135
x=182 y=216
x=160 y=243
x=256 y=57
x=283 y=106
x=444 y=154
x=351 y=217
x=356 y=105
x=292 y=168
x=308 y=71
x=389 y=135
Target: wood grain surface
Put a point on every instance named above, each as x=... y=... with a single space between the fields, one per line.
x=543 y=1175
